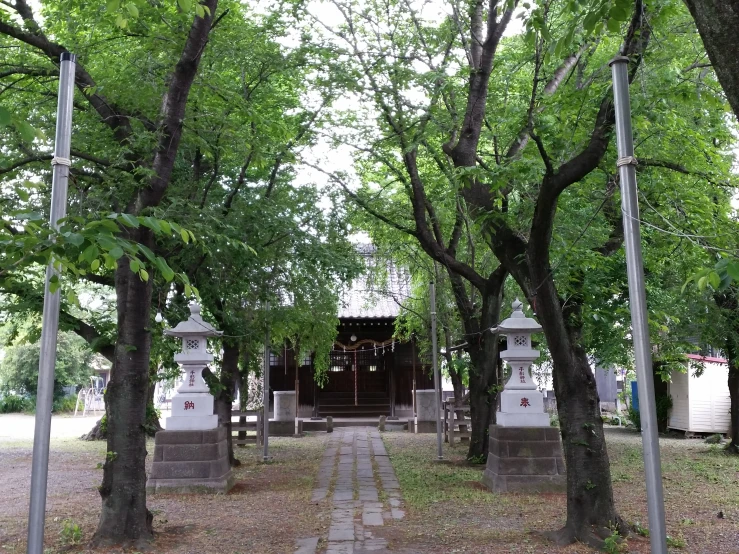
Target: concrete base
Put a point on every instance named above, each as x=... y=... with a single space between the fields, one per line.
x=425 y=427
x=190 y=462
x=540 y=419
x=525 y=459
x=281 y=428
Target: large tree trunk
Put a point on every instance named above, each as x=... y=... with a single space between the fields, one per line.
x=717 y=22
x=225 y=396
x=124 y=518
x=591 y=513
x=729 y=304
x=483 y=351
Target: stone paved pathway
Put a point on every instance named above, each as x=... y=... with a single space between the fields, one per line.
x=356 y=508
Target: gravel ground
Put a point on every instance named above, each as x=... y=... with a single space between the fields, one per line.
x=268 y=509
x=447 y=510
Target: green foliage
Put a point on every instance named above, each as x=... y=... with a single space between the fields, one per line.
x=65 y=404
x=554 y=420
x=635 y=417
x=19 y=367
x=614 y=543
x=13 y=403
x=71 y=533
x=676 y=542
x=104 y=425
x=714 y=439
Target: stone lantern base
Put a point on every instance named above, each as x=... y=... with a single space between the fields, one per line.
x=190 y=462
x=525 y=459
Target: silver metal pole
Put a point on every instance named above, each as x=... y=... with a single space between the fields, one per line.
x=267 y=351
x=50 y=322
x=638 y=301
x=437 y=378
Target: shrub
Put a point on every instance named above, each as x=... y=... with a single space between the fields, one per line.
x=554 y=420
x=635 y=418
x=71 y=533
x=66 y=404
x=12 y=403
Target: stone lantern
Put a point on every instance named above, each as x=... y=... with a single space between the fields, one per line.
x=524 y=451
x=191 y=455
x=521 y=403
x=192 y=404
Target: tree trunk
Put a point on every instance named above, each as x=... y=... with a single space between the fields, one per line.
x=124 y=517
x=591 y=513
x=483 y=351
x=717 y=22
x=733 y=446
x=483 y=397
x=225 y=396
x=152 y=424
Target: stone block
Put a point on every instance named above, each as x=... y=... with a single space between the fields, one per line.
x=426 y=404
x=188 y=452
x=200 y=465
x=524 y=459
x=181 y=470
x=527 y=466
x=497 y=447
x=281 y=428
x=425 y=427
x=178 y=437
x=518 y=433
x=536 y=449
x=381 y=425
x=191 y=486
x=214 y=435
x=284 y=405
x=329 y=424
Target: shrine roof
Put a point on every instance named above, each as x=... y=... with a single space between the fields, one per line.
x=378 y=292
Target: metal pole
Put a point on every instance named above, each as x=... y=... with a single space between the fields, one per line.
x=50 y=322
x=267 y=351
x=638 y=301
x=437 y=378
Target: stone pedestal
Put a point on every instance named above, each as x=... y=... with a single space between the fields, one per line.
x=522 y=408
x=284 y=405
x=190 y=462
x=525 y=459
x=425 y=411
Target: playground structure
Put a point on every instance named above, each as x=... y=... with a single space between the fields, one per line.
x=91 y=397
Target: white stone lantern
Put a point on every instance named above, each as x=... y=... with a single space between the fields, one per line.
x=192 y=404
x=521 y=403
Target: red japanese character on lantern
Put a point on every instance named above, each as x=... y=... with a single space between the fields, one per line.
x=189 y=405
x=525 y=403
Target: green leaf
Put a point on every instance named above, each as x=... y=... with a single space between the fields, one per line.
x=185 y=236
x=95 y=265
x=134 y=265
x=613 y=25
x=121 y=21
x=714 y=280
x=132 y=9
x=54 y=284
x=185 y=5
x=129 y=220
x=72 y=298
x=116 y=252
x=199 y=11
x=75 y=238
x=90 y=253
x=5 y=117
x=702 y=282
x=165 y=226
x=27 y=132
x=113 y=5
x=188 y=290
x=733 y=270
x=166 y=271
x=144 y=275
